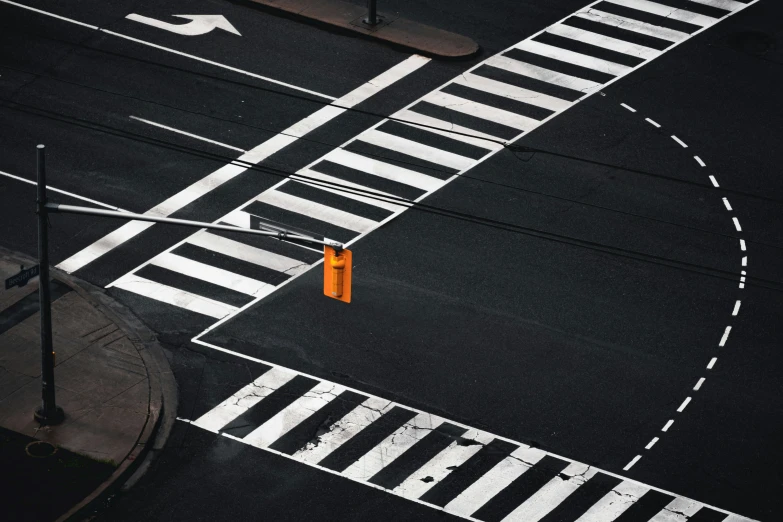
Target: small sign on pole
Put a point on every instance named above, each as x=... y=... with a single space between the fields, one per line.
x=23 y=276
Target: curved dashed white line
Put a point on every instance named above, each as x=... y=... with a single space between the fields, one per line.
x=724 y=339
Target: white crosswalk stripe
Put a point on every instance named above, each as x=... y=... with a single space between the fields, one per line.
x=420 y=146
x=408 y=453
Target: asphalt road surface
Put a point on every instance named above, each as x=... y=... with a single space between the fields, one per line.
x=567 y=265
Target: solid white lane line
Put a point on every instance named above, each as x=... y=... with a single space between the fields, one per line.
x=615 y=503
x=293 y=415
x=449 y=130
x=173 y=296
x=651 y=443
x=344 y=429
x=441 y=465
x=725 y=337
x=39 y=11
x=216 y=418
x=494 y=481
x=668 y=425
x=539 y=73
x=60 y=191
x=678 y=140
x=248 y=253
x=727 y=204
x=678 y=510
x=684 y=405
x=631 y=464
x=388 y=450
x=742 y=244
x=316 y=211
x=714 y=181
x=712 y=363
x=228 y=172
x=383 y=170
x=552 y=493
x=596 y=15
x=606 y=42
x=628 y=107
x=737 y=224
x=699 y=161
x=512 y=92
x=479 y=110
x=648 y=120
x=736 y=307
x=582 y=60
x=188 y=134
x=416 y=149
x=667 y=12
x=210 y=274
x=698 y=384
x=310 y=177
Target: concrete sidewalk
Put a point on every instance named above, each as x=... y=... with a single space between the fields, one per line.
x=111 y=377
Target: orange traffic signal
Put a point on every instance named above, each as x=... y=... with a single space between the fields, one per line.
x=337 y=274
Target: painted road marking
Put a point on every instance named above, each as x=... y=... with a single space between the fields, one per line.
x=60 y=191
x=173 y=296
x=582 y=60
x=607 y=42
x=417 y=454
x=198 y=25
x=188 y=134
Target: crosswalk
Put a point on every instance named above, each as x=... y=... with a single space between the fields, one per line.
x=376 y=175
x=428 y=459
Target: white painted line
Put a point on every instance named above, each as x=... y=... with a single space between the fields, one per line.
x=442 y=464
x=228 y=410
x=668 y=425
x=343 y=430
x=59 y=191
x=712 y=363
x=728 y=5
x=173 y=296
x=678 y=510
x=698 y=384
x=602 y=17
x=188 y=134
x=652 y=122
x=727 y=204
x=615 y=503
x=316 y=211
x=188 y=421
x=742 y=245
x=450 y=130
x=736 y=307
x=210 y=274
x=248 y=253
x=228 y=172
x=668 y=12
x=678 y=140
x=699 y=161
x=39 y=11
x=390 y=448
x=737 y=224
x=342 y=188
x=633 y=461
x=383 y=170
x=416 y=149
x=742 y=282
x=744 y=260
x=606 y=42
x=725 y=337
x=651 y=443
x=539 y=73
x=684 y=405
x=564 y=55
x=628 y=107
x=512 y=92
x=714 y=181
x=494 y=481
x=554 y=492
x=294 y=414
x=480 y=110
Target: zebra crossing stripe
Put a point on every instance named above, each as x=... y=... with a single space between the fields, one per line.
x=606 y=42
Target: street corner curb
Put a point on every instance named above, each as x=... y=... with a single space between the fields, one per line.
x=392 y=30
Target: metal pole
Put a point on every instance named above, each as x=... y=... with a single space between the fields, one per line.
x=49 y=412
x=372 y=18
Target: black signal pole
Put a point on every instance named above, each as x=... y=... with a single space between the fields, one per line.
x=49 y=413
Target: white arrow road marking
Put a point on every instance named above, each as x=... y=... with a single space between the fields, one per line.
x=199 y=24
